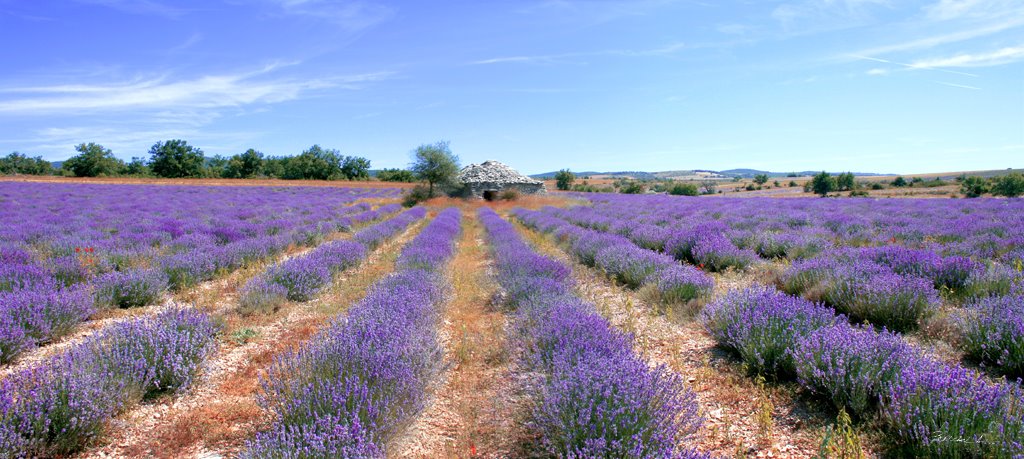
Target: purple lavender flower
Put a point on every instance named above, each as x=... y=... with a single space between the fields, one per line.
x=130 y=289
x=762 y=325
x=992 y=332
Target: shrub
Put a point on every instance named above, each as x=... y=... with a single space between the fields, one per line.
x=261 y=295
x=189 y=268
x=129 y=289
x=1010 y=185
x=851 y=367
x=947 y=411
x=762 y=326
x=302 y=277
x=974 y=186
x=886 y=299
x=680 y=284
x=416 y=195
x=684 y=189
x=30 y=317
x=993 y=333
x=62 y=405
x=509 y=195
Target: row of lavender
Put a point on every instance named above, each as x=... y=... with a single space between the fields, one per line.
x=349 y=390
x=893 y=282
x=302 y=278
x=932 y=409
x=73 y=248
x=66 y=403
x=597 y=398
x=624 y=260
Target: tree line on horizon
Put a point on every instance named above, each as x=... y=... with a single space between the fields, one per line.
x=177 y=159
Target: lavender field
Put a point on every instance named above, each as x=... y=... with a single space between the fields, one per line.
x=300 y=322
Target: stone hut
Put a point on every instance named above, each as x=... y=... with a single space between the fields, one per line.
x=488 y=179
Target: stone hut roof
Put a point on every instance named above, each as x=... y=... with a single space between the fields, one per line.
x=493 y=172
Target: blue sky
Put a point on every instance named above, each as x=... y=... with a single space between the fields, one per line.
x=864 y=85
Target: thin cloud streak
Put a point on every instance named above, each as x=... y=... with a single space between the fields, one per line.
x=666 y=50
x=213 y=91
x=964 y=86
x=910 y=66
x=998 y=57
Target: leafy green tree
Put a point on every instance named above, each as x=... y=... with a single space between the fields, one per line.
x=355 y=168
x=435 y=164
x=973 y=186
x=315 y=163
x=761 y=179
x=275 y=166
x=17 y=163
x=633 y=188
x=1010 y=185
x=396 y=175
x=93 y=160
x=845 y=182
x=564 y=179
x=684 y=189
x=215 y=166
x=244 y=165
x=823 y=183
x=900 y=182
x=136 y=167
x=176 y=159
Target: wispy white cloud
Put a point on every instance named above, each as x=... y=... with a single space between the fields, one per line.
x=877 y=72
x=670 y=49
x=161 y=93
x=955 y=85
x=146 y=7
x=945 y=10
x=353 y=15
x=943 y=39
x=191 y=41
x=998 y=57
x=909 y=66
x=826 y=13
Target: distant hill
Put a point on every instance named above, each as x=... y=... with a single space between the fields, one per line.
x=696 y=174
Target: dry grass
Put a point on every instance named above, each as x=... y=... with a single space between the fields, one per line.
x=473 y=410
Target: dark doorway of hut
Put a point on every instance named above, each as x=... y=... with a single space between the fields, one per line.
x=490 y=195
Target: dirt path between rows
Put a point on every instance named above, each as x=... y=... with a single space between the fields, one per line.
x=219 y=413
x=742 y=418
x=478 y=399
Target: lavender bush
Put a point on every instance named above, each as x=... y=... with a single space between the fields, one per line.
x=129 y=289
x=57 y=408
x=762 y=325
x=851 y=366
x=992 y=332
x=29 y=318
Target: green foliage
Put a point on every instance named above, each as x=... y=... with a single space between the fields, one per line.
x=245 y=165
x=435 y=164
x=792 y=174
x=684 y=189
x=761 y=179
x=823 y=183
x=312 y=164
x=355 y=168
x=633 y=188
x=176 y=159
x=900 y=182
x=416 y=195
x=396 y=175
x=17 y=163
x=564 y=179
x=877 y=186
x=1010 y=185
x=751 y=187
x=93 y=160
x=776 y=183
x=215 y=166
x=845 y=182
x=137 y=167
x=841 y=441
x=973 y=186
x=793 y=183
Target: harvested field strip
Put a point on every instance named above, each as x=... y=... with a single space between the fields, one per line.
x=478 y=399
x=741 y=417
x=220 y=412
x=207 y=296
